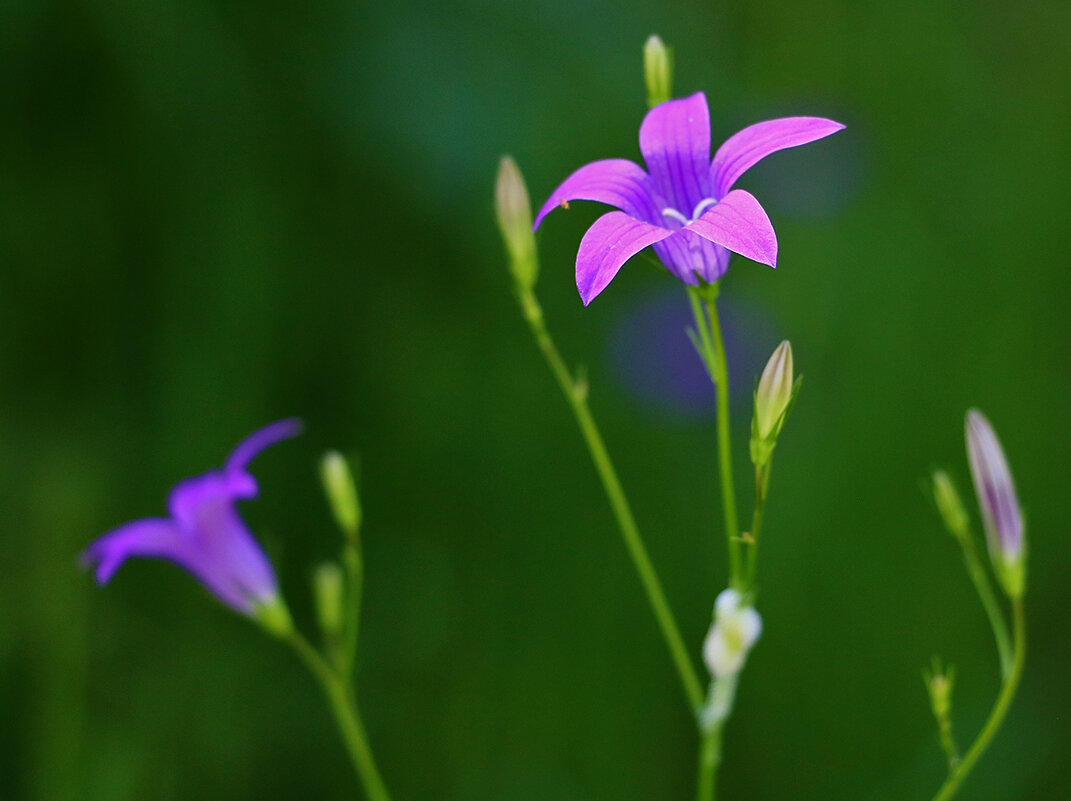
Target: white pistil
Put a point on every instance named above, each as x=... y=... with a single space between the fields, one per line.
x=676 y=215
x=702 y=206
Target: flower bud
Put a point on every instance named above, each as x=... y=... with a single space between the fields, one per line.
x=328 y=590
x=732 y=635
x=993 y=485
x=774 y=392
x=341 y=493
x=514 y=213
x=657 y=71
x=773 y=398
x=949 y=504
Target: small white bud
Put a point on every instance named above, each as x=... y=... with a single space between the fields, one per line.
x=734 y=632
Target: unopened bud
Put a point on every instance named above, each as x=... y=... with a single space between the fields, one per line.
x=514 y=214
x=657 y=71
x=773 y=397
x=1005 y=532
x=949 y=504
x=328 y=590
x=341 y=493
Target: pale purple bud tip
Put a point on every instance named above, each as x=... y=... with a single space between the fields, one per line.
x=996 y=491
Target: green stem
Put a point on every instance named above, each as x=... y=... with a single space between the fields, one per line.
x=762 y=484
x=344 y=706
x=1000 y=709
x=709 y=757
x=984 y=588
x=576 y=395
x=351 y=559
x=711 y=342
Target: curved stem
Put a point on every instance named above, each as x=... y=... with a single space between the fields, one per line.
x=344 y=706
x=575 y=392
x=1000 y=709
x=982 y=585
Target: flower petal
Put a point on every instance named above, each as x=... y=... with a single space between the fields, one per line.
x=249 y=447
x=740 y=224
x=154 y=537
x=615 y=182
x=675 y=142
x=687 y=255
x=754 y=143
x=612 y=240
x=203 y=508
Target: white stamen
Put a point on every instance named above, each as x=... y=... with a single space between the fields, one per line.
x=704 y=204
x=676 y=215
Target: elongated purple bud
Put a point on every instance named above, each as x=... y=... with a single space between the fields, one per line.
x=1000 y=506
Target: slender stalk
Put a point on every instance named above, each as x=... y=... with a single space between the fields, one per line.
x=351 y=559
x=981 y=582
x=710 y=340
x=709 y=757
x=711 y=722
x=762 y=484
x=344 y=707
x=575 y=393
x=1000 y=708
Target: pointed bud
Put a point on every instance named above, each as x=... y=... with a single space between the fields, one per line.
x=949 y=504
x=514 y=214
x=774 y=392
x=328 y=589
x=341 y=493
x=732 y=635
x=657 y=71
x=773 y=398
x=1001 y=515
x=940 y=688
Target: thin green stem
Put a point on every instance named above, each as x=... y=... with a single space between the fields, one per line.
x=575 y=392
x=710 y=340
x=351 y=559
x=984 y=587
x=1000 y=709
x=344 y=707
x=762 y=484
x=709 y=757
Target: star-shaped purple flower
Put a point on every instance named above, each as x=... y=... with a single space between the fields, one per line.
x=684 y=205
x=205 y=534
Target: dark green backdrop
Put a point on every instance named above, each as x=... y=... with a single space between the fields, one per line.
x=215 y=214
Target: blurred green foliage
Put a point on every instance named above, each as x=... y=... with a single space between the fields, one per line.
x=215 y=214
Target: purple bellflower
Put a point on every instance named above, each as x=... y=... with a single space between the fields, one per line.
x=684 y=204
x=204 y=533
x=995 y=489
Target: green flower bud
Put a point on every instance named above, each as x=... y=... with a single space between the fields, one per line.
x=774 y=392
x=328 y=588
x=514 y=214
x=949 y=504
x=657 y=71
x=341 y=493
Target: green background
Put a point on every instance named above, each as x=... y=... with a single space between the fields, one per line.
x=213 y=215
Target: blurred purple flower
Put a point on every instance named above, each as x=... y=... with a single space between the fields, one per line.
x=684 y=204
x=204 y=533
x=995 y=489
